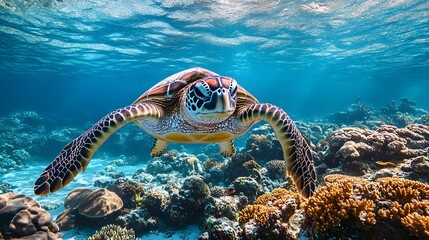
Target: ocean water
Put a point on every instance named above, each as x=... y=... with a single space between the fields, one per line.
x=74 y=61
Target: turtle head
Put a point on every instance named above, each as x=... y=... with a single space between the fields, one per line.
x=211 y=98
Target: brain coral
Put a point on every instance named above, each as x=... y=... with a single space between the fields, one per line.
x=22 y=217
x=93 y=203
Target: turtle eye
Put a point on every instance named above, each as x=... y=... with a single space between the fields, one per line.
x=201 y=91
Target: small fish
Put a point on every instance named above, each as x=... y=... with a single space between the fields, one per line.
x=230 y=191
x=153 y=219
x=387 y=164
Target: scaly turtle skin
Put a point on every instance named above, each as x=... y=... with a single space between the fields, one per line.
x=192 y=106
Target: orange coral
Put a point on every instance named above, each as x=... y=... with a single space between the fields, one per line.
x=269 y=208
x=276 y=194
x=336 y=202
x=417 y=225
x=402 y=190
x=261 y=214
x=386 y=199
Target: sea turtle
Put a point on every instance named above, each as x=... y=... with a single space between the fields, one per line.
x=192 y=106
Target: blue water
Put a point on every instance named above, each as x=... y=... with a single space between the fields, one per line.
x=312 y=58
x=82 y=59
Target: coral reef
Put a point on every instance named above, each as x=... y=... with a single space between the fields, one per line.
x=334 y=203
x=183 y=163
x=264 y=147
x=13 y=159
x=240 y=165
x=140 y=220
x=223 y=207
x=248 y=186
x=154 y=201
x=187 y=205
x=21 y=216
x=113 y=232
x=5 y=187
x=213 y=171
x=416 y=224
x=66 y=220
x=276 y=169
x=222 y=228
x=129 y=191
x=269 y=217
x=387 y=143
x=357 y=112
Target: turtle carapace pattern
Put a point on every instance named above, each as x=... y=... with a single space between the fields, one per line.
x=192 y=106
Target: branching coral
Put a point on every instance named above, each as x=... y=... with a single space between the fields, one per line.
x=260 y=213
x=387 y=201
x=277 y=195
x=335 y=202
x=417 y=225
x=276 y=169
x=113 y=232
x=270 y=216
x=402 y=190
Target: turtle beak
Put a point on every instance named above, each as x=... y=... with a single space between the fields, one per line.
x=220 y=105
x=223 y=102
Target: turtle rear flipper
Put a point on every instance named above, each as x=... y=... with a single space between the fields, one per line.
x=299 y=163
x=76 y=155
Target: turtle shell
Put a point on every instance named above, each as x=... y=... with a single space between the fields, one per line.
x=168 y=87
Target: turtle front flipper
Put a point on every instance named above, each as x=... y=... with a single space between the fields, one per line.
x=299 y=163
x=76 y=155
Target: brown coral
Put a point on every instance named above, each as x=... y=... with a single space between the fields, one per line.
x=93 y=203
x=21 y=216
